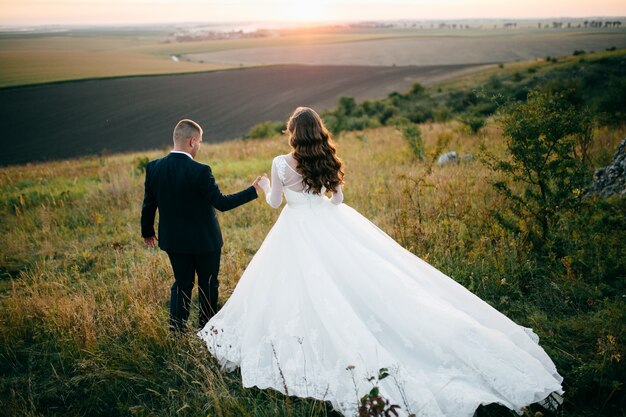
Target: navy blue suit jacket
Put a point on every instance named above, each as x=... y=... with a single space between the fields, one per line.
x=186 y=195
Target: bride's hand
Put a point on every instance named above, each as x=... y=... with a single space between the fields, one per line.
x=262 y=183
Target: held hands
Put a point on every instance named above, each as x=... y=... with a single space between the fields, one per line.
x=151 y=241
x=262 y=183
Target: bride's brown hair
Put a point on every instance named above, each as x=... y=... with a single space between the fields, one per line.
x=314 y=151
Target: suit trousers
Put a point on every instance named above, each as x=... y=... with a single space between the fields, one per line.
x=185 y=267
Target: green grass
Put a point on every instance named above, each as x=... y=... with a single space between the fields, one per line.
x=84 y=306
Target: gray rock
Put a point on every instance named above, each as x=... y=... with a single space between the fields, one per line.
x=452 y=157
x=447 y=158
x=467 y=157
x=612 y=178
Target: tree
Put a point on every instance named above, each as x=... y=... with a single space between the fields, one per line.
x=547 y=138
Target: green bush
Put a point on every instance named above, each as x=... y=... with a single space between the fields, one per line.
x=141 y=163
x=413 y=136
x=266 y=130
x=474 y=123
x=346 y=106
x=547 y=138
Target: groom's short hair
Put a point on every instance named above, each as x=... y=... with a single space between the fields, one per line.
x=186 y=129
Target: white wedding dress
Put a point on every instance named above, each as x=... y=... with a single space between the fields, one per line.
x=328 y=290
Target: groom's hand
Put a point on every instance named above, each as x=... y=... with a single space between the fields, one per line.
x=151 y=241
x=262 y=183
x=256 y=185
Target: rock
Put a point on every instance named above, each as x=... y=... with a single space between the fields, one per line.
x=467 y=157
x=452 y=157
x=612 y=178
x=447 y=158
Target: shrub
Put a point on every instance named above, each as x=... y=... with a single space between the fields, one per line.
x=441 y=114
x=474 y=123
x=398 y=121
x=413 y=136
x=612 y=104
x=547 y=138
x=140 y=164
x=486 y=108
x=266 y=130
x=417 y=89
x=346 y=105
x=358 y=123
x=387 y=113
x=420 y=115
x=332 y=122
x=459 y=101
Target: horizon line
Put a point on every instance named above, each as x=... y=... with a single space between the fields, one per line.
x=304 y=23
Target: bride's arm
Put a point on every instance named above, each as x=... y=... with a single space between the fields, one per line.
x=337 y=197
x=275 y=195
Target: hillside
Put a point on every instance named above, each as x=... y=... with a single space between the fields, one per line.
x=83 y=317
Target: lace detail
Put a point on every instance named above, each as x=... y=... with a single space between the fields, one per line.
x=288 y=360
x=285 y=180
x=533 y=336
x=281 y=164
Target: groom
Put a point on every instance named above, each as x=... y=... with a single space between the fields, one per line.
x=185 y=192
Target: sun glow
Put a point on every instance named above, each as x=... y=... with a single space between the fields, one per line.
x=305 y=11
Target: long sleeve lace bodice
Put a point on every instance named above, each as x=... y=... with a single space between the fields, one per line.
x=284 y=176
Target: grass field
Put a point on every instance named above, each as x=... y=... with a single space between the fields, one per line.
x=84 y=304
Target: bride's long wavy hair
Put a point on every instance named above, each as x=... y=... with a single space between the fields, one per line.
x=314 y=151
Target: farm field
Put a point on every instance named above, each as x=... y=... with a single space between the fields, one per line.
x=128 y=114
x=33 y=59
x=431 y=49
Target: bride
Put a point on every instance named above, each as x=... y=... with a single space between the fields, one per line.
x=329 y=299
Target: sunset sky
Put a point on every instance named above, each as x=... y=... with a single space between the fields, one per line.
x=35 y=12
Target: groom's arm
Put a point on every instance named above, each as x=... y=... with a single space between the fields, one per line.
x=148 y=209
x=211 y=192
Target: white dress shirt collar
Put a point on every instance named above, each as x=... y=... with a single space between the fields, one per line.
x=184 y=153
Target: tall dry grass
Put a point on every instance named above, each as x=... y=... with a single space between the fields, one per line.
x=83 y=322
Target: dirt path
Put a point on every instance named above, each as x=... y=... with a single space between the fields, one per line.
x=58 y=121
